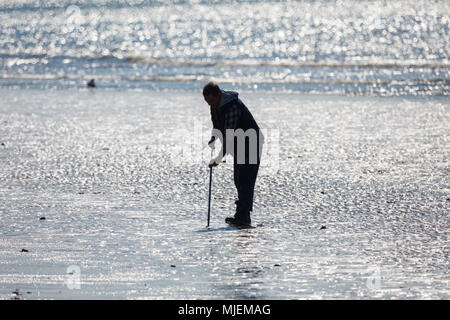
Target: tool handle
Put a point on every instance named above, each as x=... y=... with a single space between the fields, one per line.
x=209 y=198
x=210 y=183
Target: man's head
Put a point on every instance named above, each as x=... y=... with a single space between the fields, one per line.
x=212 y=94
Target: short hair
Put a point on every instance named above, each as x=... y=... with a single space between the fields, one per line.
x=211 y=88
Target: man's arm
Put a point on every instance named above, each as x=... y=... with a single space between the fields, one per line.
x=231 y=119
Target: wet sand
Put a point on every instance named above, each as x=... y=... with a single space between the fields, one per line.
x=351 y=203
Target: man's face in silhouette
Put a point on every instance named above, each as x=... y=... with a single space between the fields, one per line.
x=213 y=100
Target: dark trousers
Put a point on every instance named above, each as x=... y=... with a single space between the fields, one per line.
x=244 y=180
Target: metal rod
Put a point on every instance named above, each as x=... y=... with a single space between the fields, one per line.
x=209 y=198
x=210 y=183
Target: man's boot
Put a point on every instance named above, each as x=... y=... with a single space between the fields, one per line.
x=240 y=219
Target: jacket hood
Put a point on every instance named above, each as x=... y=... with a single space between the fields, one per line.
x=228 y=96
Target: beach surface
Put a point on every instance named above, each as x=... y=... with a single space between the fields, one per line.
x=103 y=195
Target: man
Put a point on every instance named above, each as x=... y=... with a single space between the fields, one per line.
x=240 y=135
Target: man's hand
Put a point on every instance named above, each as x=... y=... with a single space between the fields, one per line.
x=212 y=142
x=214 y=162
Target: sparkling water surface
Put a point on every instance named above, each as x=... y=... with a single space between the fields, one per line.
x=352 y=198
x=353 y=204
x=339 y=47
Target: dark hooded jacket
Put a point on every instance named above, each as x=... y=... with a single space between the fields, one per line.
x=243 y=119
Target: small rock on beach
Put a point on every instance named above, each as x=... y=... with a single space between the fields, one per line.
x=91 y=84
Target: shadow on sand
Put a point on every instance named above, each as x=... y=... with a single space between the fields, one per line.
x=227 y=228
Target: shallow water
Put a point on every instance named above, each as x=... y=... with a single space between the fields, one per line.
x=340 y=47
x=122 y=183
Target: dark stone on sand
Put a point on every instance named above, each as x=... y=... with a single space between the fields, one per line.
x=42 y=218
x=3 y=144
x=173 y=266
x=323 y=227
x=24 y=250
x=91 y=84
